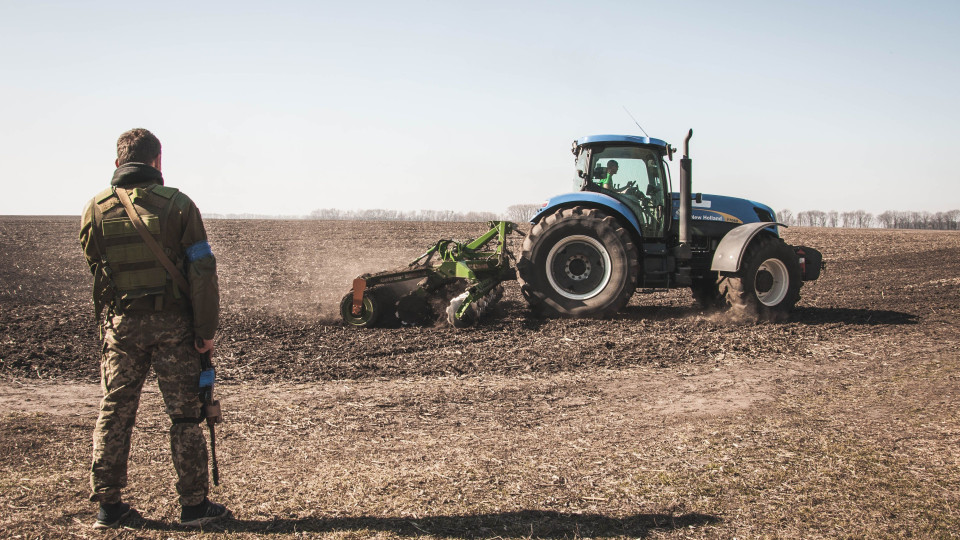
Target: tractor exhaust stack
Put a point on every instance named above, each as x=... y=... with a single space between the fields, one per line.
x=686 y=210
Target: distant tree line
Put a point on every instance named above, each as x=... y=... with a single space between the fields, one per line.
x=517 y=212
x=891 y=219
x=380 y=214
x=520 y=213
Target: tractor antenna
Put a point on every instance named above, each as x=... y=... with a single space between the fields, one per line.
x=635 y=122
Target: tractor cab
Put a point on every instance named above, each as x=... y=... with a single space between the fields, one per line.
x=631 y=170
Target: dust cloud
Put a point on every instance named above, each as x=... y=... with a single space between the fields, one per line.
x=302 y=269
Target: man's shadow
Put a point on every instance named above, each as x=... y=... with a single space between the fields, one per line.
x=525 y=523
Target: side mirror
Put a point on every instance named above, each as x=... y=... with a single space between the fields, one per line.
x=698 y=197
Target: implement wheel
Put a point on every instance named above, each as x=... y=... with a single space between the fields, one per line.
x=578 y=262
x=767 y=286
x=369 y=312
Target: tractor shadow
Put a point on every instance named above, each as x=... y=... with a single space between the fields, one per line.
x=534 y=322
x=651 y=312
x=800 y=315
x=526 y=524
x=659 y=313
x=816 y=315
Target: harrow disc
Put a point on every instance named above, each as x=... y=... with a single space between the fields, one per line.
x=413 y=309
x=467 y=319
x=476 y=310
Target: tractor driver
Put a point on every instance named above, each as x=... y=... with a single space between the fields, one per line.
x=612 y=168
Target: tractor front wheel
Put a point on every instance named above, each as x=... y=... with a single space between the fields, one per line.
x=767 y=286
x=578 y=262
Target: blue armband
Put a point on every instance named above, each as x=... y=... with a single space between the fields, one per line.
x=200 y=250
x=207 y=378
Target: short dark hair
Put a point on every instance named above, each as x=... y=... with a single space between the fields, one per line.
x=137 y=145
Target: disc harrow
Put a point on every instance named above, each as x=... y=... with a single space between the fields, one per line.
x=427 y=289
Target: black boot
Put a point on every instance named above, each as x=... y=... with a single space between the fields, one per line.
x=110 y=515
x=203 y=513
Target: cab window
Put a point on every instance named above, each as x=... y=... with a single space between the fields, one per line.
x=634 y=176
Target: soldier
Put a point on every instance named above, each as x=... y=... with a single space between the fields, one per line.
x=150 y=321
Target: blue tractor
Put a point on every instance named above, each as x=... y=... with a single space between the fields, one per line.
x=625 y=229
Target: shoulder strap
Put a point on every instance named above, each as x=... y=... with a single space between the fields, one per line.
x=96 y=221
x=100 y=268
x=103 y=195
x=164 y=191
x=151 y=243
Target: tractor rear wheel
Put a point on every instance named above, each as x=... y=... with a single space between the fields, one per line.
x=767 y=286
x=578 y=262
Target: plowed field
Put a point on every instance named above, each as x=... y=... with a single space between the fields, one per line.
x=665 y=420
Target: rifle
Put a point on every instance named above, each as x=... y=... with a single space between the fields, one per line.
x=211 y=407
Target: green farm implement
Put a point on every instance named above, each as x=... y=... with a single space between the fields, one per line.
x=461 y=280
x=587 y=252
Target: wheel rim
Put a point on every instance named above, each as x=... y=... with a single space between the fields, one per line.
x=366 y=313
x=578 y=267
x=771 y=282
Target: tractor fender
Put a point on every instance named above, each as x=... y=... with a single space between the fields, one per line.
x=595 y=200
x=734 y=244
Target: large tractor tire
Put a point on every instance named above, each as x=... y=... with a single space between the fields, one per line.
x=578 y=262
x=767 y=286
x=706 y=291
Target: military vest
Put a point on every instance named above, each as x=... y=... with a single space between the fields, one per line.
x=137 y=277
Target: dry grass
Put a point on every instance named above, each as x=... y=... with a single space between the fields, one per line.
x=663 y=422
x=835 y=449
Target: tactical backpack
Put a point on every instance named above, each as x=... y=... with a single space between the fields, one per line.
x=130 y=270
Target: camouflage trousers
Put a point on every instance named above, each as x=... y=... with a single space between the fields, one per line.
x=132 y=343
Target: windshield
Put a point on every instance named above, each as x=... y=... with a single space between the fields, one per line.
x=635 y=176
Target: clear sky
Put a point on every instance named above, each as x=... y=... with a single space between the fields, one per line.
x=286 y=107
